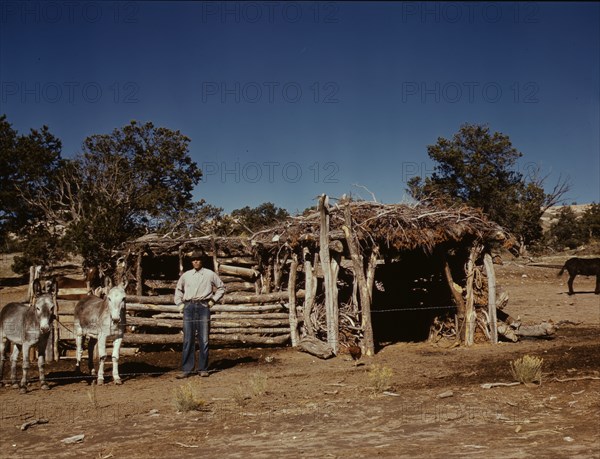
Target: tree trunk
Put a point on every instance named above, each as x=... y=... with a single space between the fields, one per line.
x=278 y=266
x=293 y=317
x=310 y=280
x=491 y=278
x=470 y=317
x=458 y=300
x=315 y=347
x=363 y=288
x=139 y=274
x=331 y=309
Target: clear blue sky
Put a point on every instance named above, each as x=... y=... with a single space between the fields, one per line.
x=284 y=101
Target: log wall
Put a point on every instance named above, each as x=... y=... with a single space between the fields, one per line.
x=244 y=315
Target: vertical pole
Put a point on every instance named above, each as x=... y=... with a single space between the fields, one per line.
x=491 y=278
x=310 y=281
x=139 y=275
x=470 y=316
x=458 y=300
x=363 y=284
x=330 y=286
x=214 y=257
x=292 y=301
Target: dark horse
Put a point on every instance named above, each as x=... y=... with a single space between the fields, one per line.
x=26 y=325
x=583 y=266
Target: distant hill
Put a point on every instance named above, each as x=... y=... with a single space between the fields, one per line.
x=551 y=215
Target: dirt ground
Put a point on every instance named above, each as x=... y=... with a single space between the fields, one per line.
x=281 y=403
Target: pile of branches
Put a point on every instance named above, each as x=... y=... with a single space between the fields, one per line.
x=397 y=226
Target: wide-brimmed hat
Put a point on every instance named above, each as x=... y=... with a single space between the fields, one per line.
x=196 y=255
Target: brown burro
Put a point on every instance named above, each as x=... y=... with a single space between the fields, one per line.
x=583 y=266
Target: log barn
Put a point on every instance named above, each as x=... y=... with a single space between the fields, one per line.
x=352 y=273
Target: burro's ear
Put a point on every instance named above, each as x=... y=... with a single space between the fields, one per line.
x=108 y=283
x=124 y=284
x=52 y=286
x=37 y=287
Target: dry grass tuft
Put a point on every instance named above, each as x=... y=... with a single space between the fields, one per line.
x=186 y=399
x=381 y=378
x=527 y=369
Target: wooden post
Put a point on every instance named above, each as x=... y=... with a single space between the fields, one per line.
x=330 y=308
x=266 y=287
x=371 y=267
x=51 y=351
x=214 y=257
x=34 y=273
x=365 y=294
x=56 y=331
x=278 y=266
x=470 y=317
x=458 y=300
x=295 y=338
x=310 y=280
x=180 y=253
x=491 y=278
x=139 y=274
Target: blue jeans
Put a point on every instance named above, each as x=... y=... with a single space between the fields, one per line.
x=196 y=324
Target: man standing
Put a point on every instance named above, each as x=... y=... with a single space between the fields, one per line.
x=197 y=291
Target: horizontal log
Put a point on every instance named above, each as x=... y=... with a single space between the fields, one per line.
x=175 y=338
x=246 y=330
x=537 y=330
x=261 y=298
x=178 y=323
x=142 y=338
x=75 y=297
x=229 y=316
x=240 y=287
x=161 y=283
x=264 y=315
x=72 y=291
x=241 y=323
x=151 y=307
x=158 y=299
x=227 y=279
x=248 y=261
x=233 y=298
x=215 y=308
x=251 y=339
x=248 y=273
x=247 y=307
x=152 y=322
x=315 y=347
